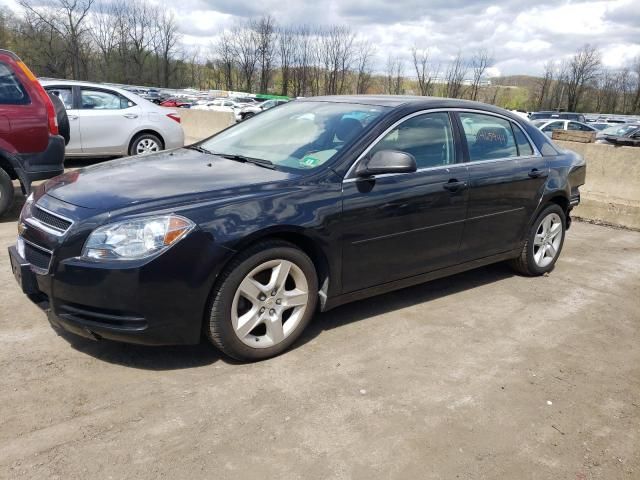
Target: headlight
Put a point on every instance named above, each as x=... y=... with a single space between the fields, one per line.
x=136 y=239
x=26 y=208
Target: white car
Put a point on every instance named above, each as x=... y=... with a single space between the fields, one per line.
x=548 y=125
x=110 y=121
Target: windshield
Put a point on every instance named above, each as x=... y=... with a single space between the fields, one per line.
x=298 y=135
x=618 y=130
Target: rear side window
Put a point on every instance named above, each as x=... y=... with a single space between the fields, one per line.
x=11 y=90
x=63 y=93
x=524 y=147
x=488 y=137
x=554 y=126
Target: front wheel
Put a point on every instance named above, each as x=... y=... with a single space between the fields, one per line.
x=543 y=244
x=264 y=300
x=6 y=192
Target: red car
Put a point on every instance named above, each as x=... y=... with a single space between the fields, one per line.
x=31 y=147
x=175 y=103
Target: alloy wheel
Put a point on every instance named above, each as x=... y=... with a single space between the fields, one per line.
x=547 y=240
x=147 y=145
x=269 y=303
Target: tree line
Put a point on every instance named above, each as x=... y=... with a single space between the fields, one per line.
x=137 y=42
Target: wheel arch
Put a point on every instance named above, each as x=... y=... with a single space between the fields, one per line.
x=305 y=242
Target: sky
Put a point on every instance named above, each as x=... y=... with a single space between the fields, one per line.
x=520 y=35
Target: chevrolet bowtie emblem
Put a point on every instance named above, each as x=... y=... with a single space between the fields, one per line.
x=21 y=228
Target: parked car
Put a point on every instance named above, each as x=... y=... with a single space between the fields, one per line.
x=251 y=110
x=175 y=103
x=309 y=205
x=109 y=121
x=627 y=134
x=548 y=126
x=218 y=105
x=578 y=117
x=31 y=147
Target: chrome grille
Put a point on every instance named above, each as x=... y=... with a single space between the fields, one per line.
x=50 y=220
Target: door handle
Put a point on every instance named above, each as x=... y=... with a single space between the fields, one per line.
x=454 y=185
x=535 y=173
x=130 y=115
x=72 y=117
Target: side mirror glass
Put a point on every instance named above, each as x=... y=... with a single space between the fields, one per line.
x=387 y=161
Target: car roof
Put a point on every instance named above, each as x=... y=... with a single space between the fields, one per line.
x=47 y=82
x=418 y=102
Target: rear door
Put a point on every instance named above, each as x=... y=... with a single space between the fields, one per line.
x=107 y=121
x=400 y=225
x=506 y=181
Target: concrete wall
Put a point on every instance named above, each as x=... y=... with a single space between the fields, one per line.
x=199 y=124
x=611 y=193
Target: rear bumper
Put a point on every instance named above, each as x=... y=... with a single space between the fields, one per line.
x=43 y=165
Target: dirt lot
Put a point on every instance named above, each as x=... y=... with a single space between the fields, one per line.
x=482 y=375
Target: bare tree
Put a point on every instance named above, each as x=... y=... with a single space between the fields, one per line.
x=636 y=95
x=454 y=77
x=68 y=19
x=583 y=69
x=167 y=39
x=480 y=61
x=286 y=49
x=336 y=56
x=245 y=48
x=544 y=86
x=364 y=66
x=265 y=35
x=425 y=73
x=394 y=75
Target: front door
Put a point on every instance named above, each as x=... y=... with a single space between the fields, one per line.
x=506 y=182
x=400 y=225
x=106 y=121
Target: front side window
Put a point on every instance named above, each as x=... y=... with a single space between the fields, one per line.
x=488 y=137
x=101 y=100
x=11 y=90
x=64 y=94
x=299 y=135
x=427 y=137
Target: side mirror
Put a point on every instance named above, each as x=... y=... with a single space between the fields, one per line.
x=387 y=161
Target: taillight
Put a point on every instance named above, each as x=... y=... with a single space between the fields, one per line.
x=51 y=111
x=174 y=116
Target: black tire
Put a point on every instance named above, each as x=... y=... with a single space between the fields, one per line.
x=6 y=192
x=219 y=328
x=525 y=263
x=63 y=120
x=140 y=138
x=248 y=115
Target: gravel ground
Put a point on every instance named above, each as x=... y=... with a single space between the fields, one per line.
x=482 y=375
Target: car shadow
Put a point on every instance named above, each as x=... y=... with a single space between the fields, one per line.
x=406 y=297
x=203 y=354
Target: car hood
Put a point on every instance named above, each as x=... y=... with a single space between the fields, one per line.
x=174 y=176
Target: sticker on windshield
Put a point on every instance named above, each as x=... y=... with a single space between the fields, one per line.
x=309 y=161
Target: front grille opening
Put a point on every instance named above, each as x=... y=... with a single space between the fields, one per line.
x=51 y=220
x=36 y=257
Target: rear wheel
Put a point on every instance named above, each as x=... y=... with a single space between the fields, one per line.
x=248 y=115
x=145 y=143
x=264 y=301
x=6 y=192
x=544 y=243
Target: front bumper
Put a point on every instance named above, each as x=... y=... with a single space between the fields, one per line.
x=158 y=302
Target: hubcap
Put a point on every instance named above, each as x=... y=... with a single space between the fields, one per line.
x=547 y=240
x=147 y=145
x=269 y=303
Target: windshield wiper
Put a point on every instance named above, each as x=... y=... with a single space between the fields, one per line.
x=241 y=158
x=200 y=149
